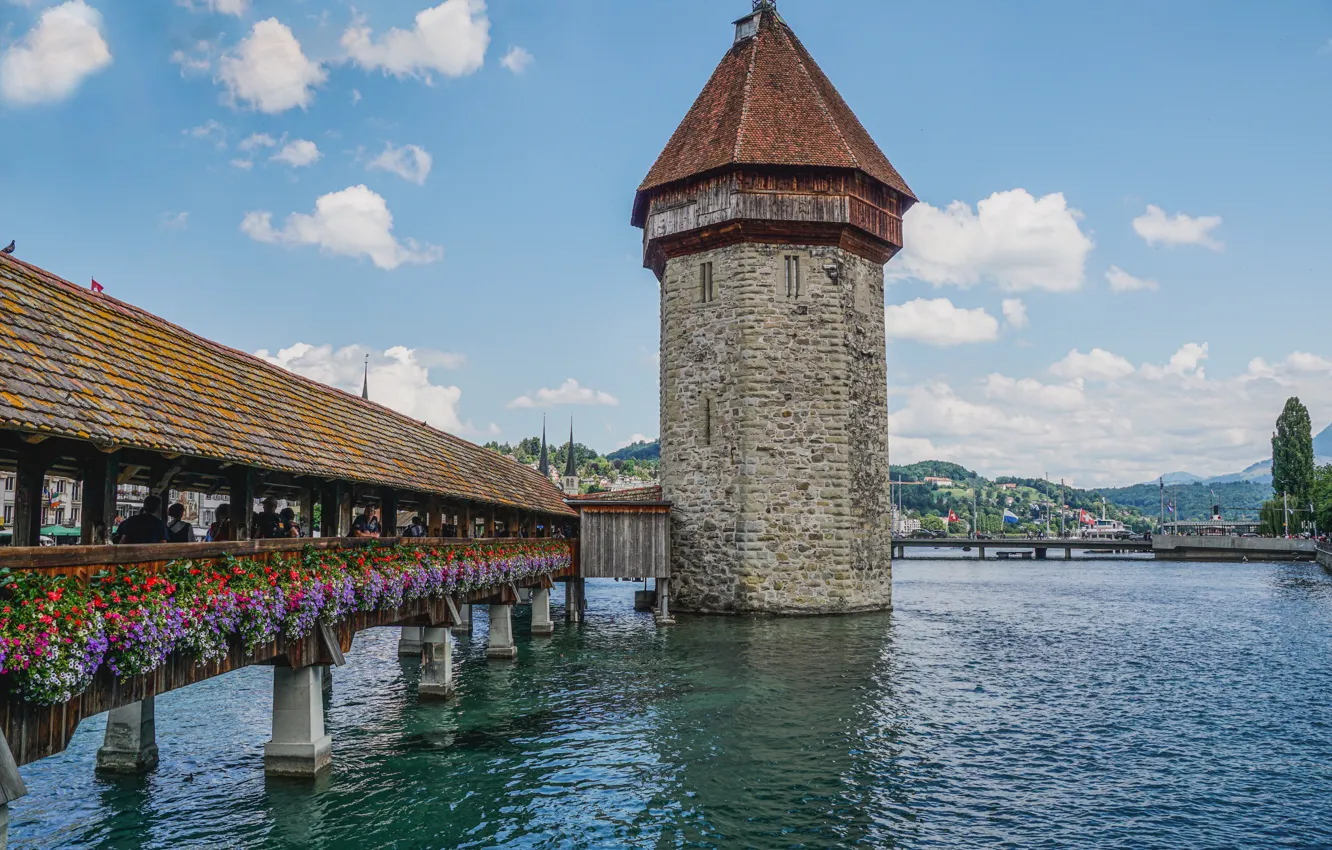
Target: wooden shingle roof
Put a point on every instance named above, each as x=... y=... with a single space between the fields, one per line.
x=89 y=367
x=769 y=103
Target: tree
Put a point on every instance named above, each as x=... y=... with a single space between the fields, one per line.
x=1322 y=497
x=932 y=523
x=1292 y=453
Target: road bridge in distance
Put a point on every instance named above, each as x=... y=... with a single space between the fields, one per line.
x=1180 y=547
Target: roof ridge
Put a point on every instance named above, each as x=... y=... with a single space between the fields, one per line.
x=744 y=101
x=790 y=35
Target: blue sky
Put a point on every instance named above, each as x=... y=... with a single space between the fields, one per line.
x=163 y=148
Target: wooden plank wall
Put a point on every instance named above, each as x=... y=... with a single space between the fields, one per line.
x=625 y=542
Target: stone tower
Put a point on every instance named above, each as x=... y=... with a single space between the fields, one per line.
x=768 y=220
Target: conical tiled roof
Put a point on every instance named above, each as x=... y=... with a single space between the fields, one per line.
x=769 y=103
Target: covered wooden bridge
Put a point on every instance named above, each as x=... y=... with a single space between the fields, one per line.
x=103 y=392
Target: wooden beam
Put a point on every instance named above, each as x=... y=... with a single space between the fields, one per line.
x=99 y=498
x=464 y=519
x=28 y=501
x=490 y=521
x=434 y=517
x=240 y=481
x=331 y=499
x=388 y=512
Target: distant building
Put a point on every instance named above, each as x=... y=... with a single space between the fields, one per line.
x=1008 y=486
x=942 y=482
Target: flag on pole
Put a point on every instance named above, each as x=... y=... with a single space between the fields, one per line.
x=1087 y=519
x=952 y=517
x=96 y=287
x=1010 y=518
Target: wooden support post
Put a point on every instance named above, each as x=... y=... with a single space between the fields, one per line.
x=99 y=498
x=490 y=521
x=331 y=498
x=388 y=512
x=464 y=519
x=434 y=517
x=308 y=499
x=28 y=501
x=240 y=484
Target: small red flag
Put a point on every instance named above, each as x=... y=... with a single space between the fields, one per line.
x=952 y=517
x=96 y=287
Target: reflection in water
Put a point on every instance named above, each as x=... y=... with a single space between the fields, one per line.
x=1093 y=703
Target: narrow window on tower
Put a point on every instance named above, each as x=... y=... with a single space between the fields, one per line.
x=792 y=277
x=707 y=420
x=707 y=291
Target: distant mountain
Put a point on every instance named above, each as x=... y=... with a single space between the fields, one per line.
x=1323 y=442
x=1181 y=478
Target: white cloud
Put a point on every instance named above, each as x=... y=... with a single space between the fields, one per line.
x=1184 y=363
x=1015 y=312
x=1099 y=365
x=298 y=154
x=569 y=392
x=517 y=60
x=1012 y=239
x=269 y=71
x=1157 y=228
x=938 y=322
x=242 y=164
x=399 y=379
x=209 y=129
x=1109 y=433
x=450 y=38
x=355 y=222
x=410 y=162
x=57 y=54
x=174 y=221
x=257 y=140
x=197 y=60
x=221 y=7
x=1122 y=281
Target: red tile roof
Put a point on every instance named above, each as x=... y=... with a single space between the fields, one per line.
x=90 y=367
x=769 y=103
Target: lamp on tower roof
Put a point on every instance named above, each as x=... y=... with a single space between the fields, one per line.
x=365 y=382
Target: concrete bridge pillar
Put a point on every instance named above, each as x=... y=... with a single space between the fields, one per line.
x=464 y=624
x=501 y=644
x=409 y=645
x=981 y=549
x=573 y=600
x=130 y=745
x=1068 y=554
x=541 y=624
x=1041 y=553
x=299 y=746
x=436 y=665
x=664 y=617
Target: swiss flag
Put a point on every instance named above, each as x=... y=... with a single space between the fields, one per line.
x=1087 y=519
x=96 y=287
x=952 y=517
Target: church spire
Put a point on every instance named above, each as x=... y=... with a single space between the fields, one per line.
x=544 y=468
x=570 y=465
x=365 y=382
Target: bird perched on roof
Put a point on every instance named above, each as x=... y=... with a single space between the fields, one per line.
x=8 y=249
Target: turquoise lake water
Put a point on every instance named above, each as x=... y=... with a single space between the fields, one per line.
x=1094 y=703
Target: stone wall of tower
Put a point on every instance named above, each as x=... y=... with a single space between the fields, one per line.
x=774 y=432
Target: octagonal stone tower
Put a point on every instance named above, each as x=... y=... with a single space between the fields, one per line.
x=768 y=220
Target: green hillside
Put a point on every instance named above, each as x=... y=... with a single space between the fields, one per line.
x=1238 y=500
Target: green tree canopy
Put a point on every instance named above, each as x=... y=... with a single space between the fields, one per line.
x=1292 y=453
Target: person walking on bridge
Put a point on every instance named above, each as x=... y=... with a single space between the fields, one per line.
x=144 y=527
x=178 y=530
